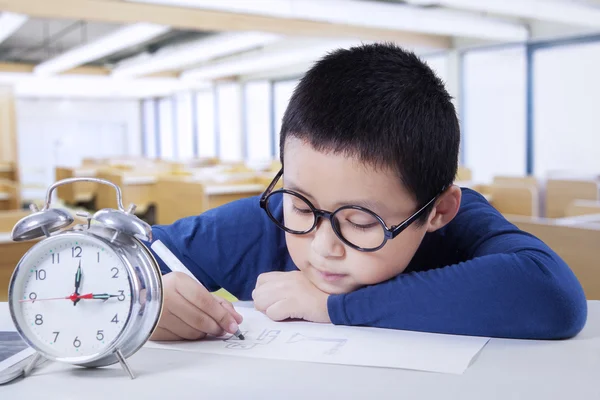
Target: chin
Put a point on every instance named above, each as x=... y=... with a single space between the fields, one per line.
x=332 y=287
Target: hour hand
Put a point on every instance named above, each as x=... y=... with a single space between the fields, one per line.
x=96 y=296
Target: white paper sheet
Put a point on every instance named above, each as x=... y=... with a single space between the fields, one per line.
x=326 y=343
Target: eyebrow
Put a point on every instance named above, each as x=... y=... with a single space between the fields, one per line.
x=376 y=206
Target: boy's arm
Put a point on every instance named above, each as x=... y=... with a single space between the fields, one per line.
x=225 y=247
x=512 y=286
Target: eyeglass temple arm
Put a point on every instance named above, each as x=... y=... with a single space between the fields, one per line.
x=399 y=228
x=272 y=184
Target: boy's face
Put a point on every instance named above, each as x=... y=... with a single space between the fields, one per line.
x=329 y=181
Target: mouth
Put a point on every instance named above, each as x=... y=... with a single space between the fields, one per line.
x=329 y=277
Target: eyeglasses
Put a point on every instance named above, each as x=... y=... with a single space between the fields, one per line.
x=356 y=226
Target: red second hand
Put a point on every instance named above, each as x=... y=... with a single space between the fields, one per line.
x=72 y=297
x=34 y=300
x=75 y=296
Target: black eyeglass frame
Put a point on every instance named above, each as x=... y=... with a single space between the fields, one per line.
x=389 y=233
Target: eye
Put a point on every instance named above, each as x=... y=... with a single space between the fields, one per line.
x=363 y=227
x=301 y=210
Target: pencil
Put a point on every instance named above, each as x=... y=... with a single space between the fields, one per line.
x=177 y=266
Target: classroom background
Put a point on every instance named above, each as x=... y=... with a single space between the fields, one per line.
x=179 y=102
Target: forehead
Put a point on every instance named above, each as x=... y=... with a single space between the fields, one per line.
x=331 y=179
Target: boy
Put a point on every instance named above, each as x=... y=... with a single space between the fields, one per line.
x=369 y=229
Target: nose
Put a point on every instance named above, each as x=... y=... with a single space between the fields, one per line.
x=325 y=242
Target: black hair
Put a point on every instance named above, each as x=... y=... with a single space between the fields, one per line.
x=383 y=105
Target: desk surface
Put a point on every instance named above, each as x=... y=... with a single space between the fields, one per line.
x=505 y=369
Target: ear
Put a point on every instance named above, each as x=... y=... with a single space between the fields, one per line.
x=445 y=209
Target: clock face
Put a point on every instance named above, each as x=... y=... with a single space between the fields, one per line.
x=71 y=296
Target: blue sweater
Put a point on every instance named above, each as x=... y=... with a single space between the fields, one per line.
x=479 y=275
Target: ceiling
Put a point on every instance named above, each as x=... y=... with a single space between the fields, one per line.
x=185 y=43
x=39 y=40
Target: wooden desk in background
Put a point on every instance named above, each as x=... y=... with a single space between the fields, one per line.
x=8 y=172
x=582 y=207
x=577 y=244
x=10 y=196
x=10 y=254
x=177 y=198
x=515 y=199
x=80 y=192
x=560 y=193
x=136 y=189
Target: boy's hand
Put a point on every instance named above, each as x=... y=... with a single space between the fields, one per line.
x=191 y=312
x=283 y=295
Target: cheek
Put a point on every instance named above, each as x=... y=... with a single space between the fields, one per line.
x=391 y=260
x=298 y=247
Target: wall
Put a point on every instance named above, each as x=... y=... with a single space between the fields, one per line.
x=62 y=132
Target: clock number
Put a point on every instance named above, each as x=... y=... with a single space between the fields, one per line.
x=98 y=256
x=32 y=296
x=100 y=335
x=121 y=295
x=40 y=275
x=116 y=271
x=76 y=342
x=76 y=252
x=115 y=319
x=38 y=319
x=55 y=258
x=56 y=336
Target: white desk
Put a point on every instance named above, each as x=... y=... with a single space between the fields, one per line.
x=505 y=369
x=229 y=189
x=139 y=180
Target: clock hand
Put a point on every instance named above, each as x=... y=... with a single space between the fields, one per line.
x=77 y=283
x=94 y=296
x=53 y=298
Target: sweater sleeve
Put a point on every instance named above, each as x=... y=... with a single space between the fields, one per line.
x=226 y=247
x=511 y=285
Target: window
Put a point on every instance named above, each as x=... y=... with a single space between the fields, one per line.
x=258 y=122
x=149 y=128
x=185 y=128
x=166 y=122
x=206 y=131
x=495 y=110
x=565 y=113
x=229 y=104
x=282 y=92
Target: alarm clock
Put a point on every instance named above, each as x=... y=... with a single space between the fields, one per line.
x=90 y=295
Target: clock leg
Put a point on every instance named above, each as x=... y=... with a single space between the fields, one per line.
x=32 y=364
x=124 y=364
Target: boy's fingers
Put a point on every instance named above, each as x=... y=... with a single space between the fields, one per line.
x=229 y=307
x=267 y=276
x=177 y=326
x=278 y=311
x=264 y=297
x=163 y=334
x=202 y=299
x=193 y=316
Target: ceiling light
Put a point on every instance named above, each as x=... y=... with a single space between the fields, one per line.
x=178 y=57
x=120 y=39
x=10 y=23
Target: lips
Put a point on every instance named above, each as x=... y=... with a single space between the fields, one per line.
x=328 y=276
